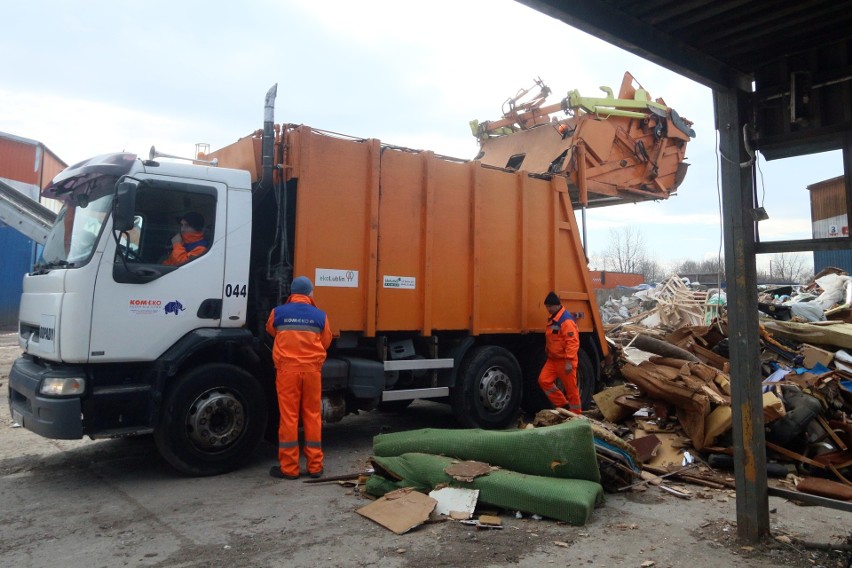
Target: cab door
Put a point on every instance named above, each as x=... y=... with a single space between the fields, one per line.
x=142 y=305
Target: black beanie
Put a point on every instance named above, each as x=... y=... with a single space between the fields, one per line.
x=552 y=299
x=194 y=220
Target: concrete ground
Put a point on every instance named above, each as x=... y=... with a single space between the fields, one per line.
x=114 y=503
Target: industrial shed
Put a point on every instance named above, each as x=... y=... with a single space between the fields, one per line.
x=829 y=220
x=26 y=166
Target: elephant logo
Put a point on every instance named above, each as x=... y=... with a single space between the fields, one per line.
x=174 y=307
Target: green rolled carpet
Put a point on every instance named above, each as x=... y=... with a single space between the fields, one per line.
x=564 y=450
x=569 y=500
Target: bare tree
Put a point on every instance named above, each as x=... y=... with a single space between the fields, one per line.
x=788 y=268
x=626 y=250
x=688 y=266
x=706 y=266
x=652 y=271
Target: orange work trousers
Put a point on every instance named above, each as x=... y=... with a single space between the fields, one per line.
x=299 y=393
x=555 y=369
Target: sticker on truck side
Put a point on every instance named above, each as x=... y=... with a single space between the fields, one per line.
x=150 y=307
x=46 y=333
x=401 y=282
x=336 y=278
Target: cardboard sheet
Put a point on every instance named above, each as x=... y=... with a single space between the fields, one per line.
x=670 y=450
x=605 y=400
x=400 y=510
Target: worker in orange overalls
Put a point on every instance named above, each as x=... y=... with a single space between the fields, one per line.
x=189 y=242
x=302 y=336
x=562 y=342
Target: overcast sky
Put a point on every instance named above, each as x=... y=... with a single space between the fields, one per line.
x=98 y=76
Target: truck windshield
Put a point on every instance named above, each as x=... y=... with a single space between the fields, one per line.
x=79 y=224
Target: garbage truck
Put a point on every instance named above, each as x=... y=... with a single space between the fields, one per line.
x=432 y=270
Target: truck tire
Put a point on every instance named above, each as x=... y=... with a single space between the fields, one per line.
x=488 y=389
x=534 y=397
x=587 y=379
x=211 y=421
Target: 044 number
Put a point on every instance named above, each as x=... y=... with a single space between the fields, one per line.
x=235 y=290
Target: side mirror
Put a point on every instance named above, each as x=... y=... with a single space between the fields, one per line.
x=124 y=206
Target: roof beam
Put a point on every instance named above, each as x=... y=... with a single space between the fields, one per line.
x=622 y=30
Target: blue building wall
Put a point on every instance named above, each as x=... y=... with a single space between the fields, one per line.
x=16 y=259
x=837 y=258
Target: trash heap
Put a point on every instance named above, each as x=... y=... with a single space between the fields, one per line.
x=666 y=416
x=672 y=396
x=670 y=304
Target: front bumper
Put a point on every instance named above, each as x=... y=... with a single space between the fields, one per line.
x=58 y=418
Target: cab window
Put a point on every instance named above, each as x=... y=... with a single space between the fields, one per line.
x=174 y=225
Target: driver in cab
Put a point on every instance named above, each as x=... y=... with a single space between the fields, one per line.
x=190 y=242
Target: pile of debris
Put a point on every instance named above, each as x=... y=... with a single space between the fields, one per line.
x=667 y=417
x=671 y=304
x=674 y=401
x=827 y=297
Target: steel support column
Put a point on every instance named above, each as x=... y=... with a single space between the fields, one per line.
x=743 y=334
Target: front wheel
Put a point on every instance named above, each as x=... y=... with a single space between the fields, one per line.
x=212 y=420
x=488 y=389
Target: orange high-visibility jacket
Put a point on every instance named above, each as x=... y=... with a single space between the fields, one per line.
x=193 y=245
x=562 y=338
x=301 y=333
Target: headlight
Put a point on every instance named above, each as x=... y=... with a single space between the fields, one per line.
x=58 y=386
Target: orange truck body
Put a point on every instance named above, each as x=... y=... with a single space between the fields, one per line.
x=478 y=247
x=434 y=270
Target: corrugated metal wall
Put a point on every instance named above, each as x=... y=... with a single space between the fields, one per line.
x=828 y=209
x=609 y=280
x=16 y=257
x=837 y=258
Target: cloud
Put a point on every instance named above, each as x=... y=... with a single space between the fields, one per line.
x=647 y=214
x=89 y=127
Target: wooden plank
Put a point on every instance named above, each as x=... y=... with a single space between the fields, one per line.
x=793 y=455
x=832 y=434
x=839 y=475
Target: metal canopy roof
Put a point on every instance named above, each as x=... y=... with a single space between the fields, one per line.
x=795 y=56
x=719 y=43
x=781 y=72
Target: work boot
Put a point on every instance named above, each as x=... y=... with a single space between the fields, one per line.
x=316 y=474
x=275 y=471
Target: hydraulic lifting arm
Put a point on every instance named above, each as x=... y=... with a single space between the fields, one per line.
x=611 y=149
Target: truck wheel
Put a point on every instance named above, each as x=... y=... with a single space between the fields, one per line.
x=212 y=419
x=488 y=389
x=534 y=397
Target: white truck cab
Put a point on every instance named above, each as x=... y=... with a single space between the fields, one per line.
x=104 y=323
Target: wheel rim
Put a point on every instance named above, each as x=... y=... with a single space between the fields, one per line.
x=215 y=420
x=495 y=389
